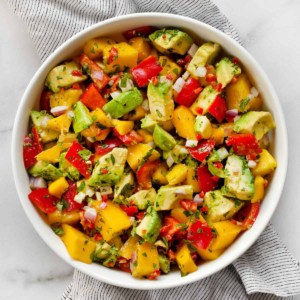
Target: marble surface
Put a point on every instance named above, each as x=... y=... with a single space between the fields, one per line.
x=270 y=29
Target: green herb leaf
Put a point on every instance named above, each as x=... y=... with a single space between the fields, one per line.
x=85 y=154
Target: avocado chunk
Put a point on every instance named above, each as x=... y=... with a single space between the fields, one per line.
x=149 y=227
x=67 y=169
x=204 y=100
x=256 y=122
x=143 y=198
x=164 y=263
x=220 y=208
x=62 y=76
x=45 y=170
x=82 y=119
x=226 y=70
x=124 y=187
x=215 y=171
x=239 y=181
x=163 y=139
x=39 y=119
x=168 y=197
x=113 y=163
x=218 y=155
x=203 y=127
x=205 y=55
x=124 y=103
x=148 y=123
x=171 y=41
x=178 y=153
x=161 y=102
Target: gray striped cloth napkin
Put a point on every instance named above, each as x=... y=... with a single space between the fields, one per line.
x=267 y=270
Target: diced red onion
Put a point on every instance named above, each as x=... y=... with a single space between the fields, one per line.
x=106 y=190
x=201 y=71
x=89 y=192
x=37 y=183
x=178 y=85
x=191 y=143
x=98 y=75
x=170 y=160
x=236 y=118
x=71 y=114
x=254 y=91
x=252 y=164
x=128 y=86
x=231 y=113
x=193 y=49
x=98 y=196
x=133 y=259
x=265 y=141
x=198 y=199
x=59 y=110
x=115 y=94
x=90 y=214
x=103 y=204
x=79 y=197
x=186 y=75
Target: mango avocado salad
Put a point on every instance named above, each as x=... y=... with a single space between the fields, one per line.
x=149 y=153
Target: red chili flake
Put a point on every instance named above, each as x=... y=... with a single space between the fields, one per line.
x=215 y=178
x=198 y=90
x=199 y=110
x=187 y=59
x=198 y=136
x=201 y=194
x=214 y=84
x=204 y=209
x=76 y=73
x=235 y=60
x=219 y=87
x=153 y=275
x=140 y=215
x=98 y=237
x=169 y=77
x=104 y=171
x=113 y=54
x=76 y=86
x=266 y=183
x=234 y=79
x=211 y=77
x=154 y=80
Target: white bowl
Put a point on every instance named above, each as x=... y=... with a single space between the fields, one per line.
x=117 y=25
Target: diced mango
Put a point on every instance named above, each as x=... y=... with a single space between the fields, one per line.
x=79 y=245
x=103 y=134
x=123 y=127
x=159 y=175
x=118 y=57
x=146 y=135
x=137 y=154
x=67 y=138
x=218 y=134
x=166 y=125
x=129 y=247
x=50 y=155
x=177 y=174
x=136 y=114
x=99 y=116
x=259 y=189
x=61 y=123
x=94 y=47
x=116 y=241
x=65 y=98
x=265 y=165
x=178 y=214
x=191 y=179
x=226 y=234
x=71 y=218
x=95 y=132
x=208 y=254
x=142 y=47
x=58 y=187
x=185 y=261
x=146 y=260
x=227 y=127
x=183 y=121
x=112 y=220
x=169 y=68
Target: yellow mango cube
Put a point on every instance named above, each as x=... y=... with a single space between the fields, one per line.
x=169 y=68
x=218 y=134
x=226 y=234
x=137 y=154
x=177 y=174
x=71 y=218
x=129 y=247
x=58 y=187
x=136 y=114
x=50 y=155
x=166 y=125
x=146 y=260
x=61 y=123
x=147 y=136
x=65 y=98
x=116 y=241
x=103 y=134
x=178 y=214
x=185 y=261
x=183 y=121
x=79 y=245
x=118 y=57
x=94 y=47
x=123 y=127
x=112 y=220
x=208 y=254
x=159 y=175
x=101 y=117
x=266 y=164
x=191 y=179
x=259 y=189
x=142 y=46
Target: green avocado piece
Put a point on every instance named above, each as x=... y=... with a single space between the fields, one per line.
x=205 y=55
x=220 y=208
x=148 y=123
x=226 y=70
x=67 y=169
x=239 y=181
x=113 y=163
x=168 y=197
x=215 y=171
x=62 y=76
x=124 y=187
x=171 y=41
x=161 y=102
x=163 y=139
x=124 y=103
x=143 y=198
x=149 y=227
x=178 y=153
x=102 y=251
x=82 y=119
x=191 y=162
x=164 y=263
x=256 y=122
x=45 y=170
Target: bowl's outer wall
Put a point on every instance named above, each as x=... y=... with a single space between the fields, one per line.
x=117 y=25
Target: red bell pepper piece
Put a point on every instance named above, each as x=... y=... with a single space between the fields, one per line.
x=247 y=215
x=218 y=108
x=154 y=275
x=189 y=92
x=107 y=145
x=140 y=31
x=98 y=76
x=69 y=196
x=145 y=173
x=188 y=205
x=145 y=70
x=170 y=228
x=131 y=138
x=123 y=264
x=130 y=210
x=77 y=161
x=200 y=234
x=207 y=181
x=244 y=144
x=31 y=148
x=43 y=200
x=45 y=101
x=92 y=98
x=202 y=150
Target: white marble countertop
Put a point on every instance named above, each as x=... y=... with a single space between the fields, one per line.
x=270 y=29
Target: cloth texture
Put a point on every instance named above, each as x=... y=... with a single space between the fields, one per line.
x=267 y=270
